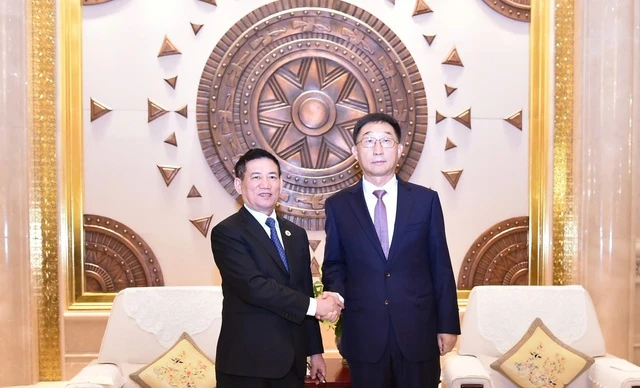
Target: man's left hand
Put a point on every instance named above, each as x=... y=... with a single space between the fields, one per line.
x=446 y=342
x=318 y=368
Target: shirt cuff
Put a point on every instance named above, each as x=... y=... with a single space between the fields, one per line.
x=313 y=307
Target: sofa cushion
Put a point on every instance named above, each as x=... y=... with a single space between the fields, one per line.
x=183 y=365
x=539 y=359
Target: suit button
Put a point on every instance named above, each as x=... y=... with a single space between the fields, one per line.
x=386 y=302
x=387 y=274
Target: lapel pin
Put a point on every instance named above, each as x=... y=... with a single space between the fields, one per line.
x=287 y=233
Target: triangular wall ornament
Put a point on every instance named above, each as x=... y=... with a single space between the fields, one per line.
x=194 y=193
x=420 y=8
x=212 y=2
x=392 y=2
x=429 y=38
x=314 y=244
x=315 y=268
x=171 y=139
x=515 y=120
x=168 y=173
x=168 y=48
x=196 y=28
x=202 y=224
x=439 y=117
x=453 y=176
x=154 y=111
x=453 y=58
x=97 y=109
x=449 y=89
x=449 y=145
x=172 y=81
x=464 y=118
x=182 y=111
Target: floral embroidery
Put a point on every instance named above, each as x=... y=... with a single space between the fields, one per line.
x=181 y=372
x=541 y=369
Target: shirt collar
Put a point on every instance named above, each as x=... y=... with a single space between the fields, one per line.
x=261 y=217
x=391 y=187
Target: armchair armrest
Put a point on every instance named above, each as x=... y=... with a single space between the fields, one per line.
x=464 y=372
x=97 y=375
x=610 y=371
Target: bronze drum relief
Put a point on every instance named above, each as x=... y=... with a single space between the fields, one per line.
x=293 y=77
x=116 y=257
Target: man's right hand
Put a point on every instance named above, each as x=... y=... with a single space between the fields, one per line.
x=329 y=306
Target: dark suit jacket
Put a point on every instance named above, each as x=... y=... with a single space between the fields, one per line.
x=414 y=290
x=264 y=323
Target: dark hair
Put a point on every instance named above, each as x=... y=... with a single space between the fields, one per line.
x=253 y=154
x=376 y=118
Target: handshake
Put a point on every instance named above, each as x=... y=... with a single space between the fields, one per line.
x=329 y=306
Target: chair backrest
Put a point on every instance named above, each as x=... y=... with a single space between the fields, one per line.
x=497 y=317
x=145 y=322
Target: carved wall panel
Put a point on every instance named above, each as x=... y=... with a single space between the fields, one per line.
x=498 y=257
x=116 y=257
x=293 y=77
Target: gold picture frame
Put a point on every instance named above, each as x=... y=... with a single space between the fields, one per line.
x=71 y=141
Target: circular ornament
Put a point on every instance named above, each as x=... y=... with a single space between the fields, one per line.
x=293 y=77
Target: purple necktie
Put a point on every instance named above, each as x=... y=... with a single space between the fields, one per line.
x=380 y=222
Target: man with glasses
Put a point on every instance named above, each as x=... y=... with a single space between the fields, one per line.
x=386 y=254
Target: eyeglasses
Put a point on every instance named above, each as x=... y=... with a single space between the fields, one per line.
x=370 y=142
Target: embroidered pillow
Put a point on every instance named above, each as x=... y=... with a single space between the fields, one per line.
x=183 y=365
x=539 y=359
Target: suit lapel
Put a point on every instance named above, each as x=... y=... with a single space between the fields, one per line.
x=289 y=245
x=256 y=230
x=402 y=216
x=359 y=206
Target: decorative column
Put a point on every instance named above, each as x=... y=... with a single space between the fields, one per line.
x=18 y=335
x=605 y=171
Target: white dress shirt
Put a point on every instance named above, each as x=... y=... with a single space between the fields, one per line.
x=390 y=200
x=262 y=219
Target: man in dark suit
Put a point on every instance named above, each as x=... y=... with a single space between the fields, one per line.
x=387 y=256
x=268 y=314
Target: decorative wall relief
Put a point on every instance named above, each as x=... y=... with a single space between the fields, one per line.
x=293 y=77
x=97 y=109
x=116 y=257
x=453 y=58
x=168 y=48
x=449 y=90
x=452 y=176
x=513 y=9
x=154 y=111
x=464 y=118
x=439 y=117
x=172 y=81
x=202 y=224
x=429 y=38
x=498 y=257
x=421 y=8
x=515 y=119
x=194 y=193
x=449 y=145
x=171 y=139
x=168 y=173
x=196 y=28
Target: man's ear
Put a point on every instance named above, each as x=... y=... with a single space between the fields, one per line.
x=237 y=184
x=354 y=152
x=400 y=149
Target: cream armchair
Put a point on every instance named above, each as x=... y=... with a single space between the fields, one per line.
x=144 y=323
x=497 y=317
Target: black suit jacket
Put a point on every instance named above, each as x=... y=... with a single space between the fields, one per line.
x=414 y=290
x=265 y=329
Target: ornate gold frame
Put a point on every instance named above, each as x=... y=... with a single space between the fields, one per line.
x=72 y=154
